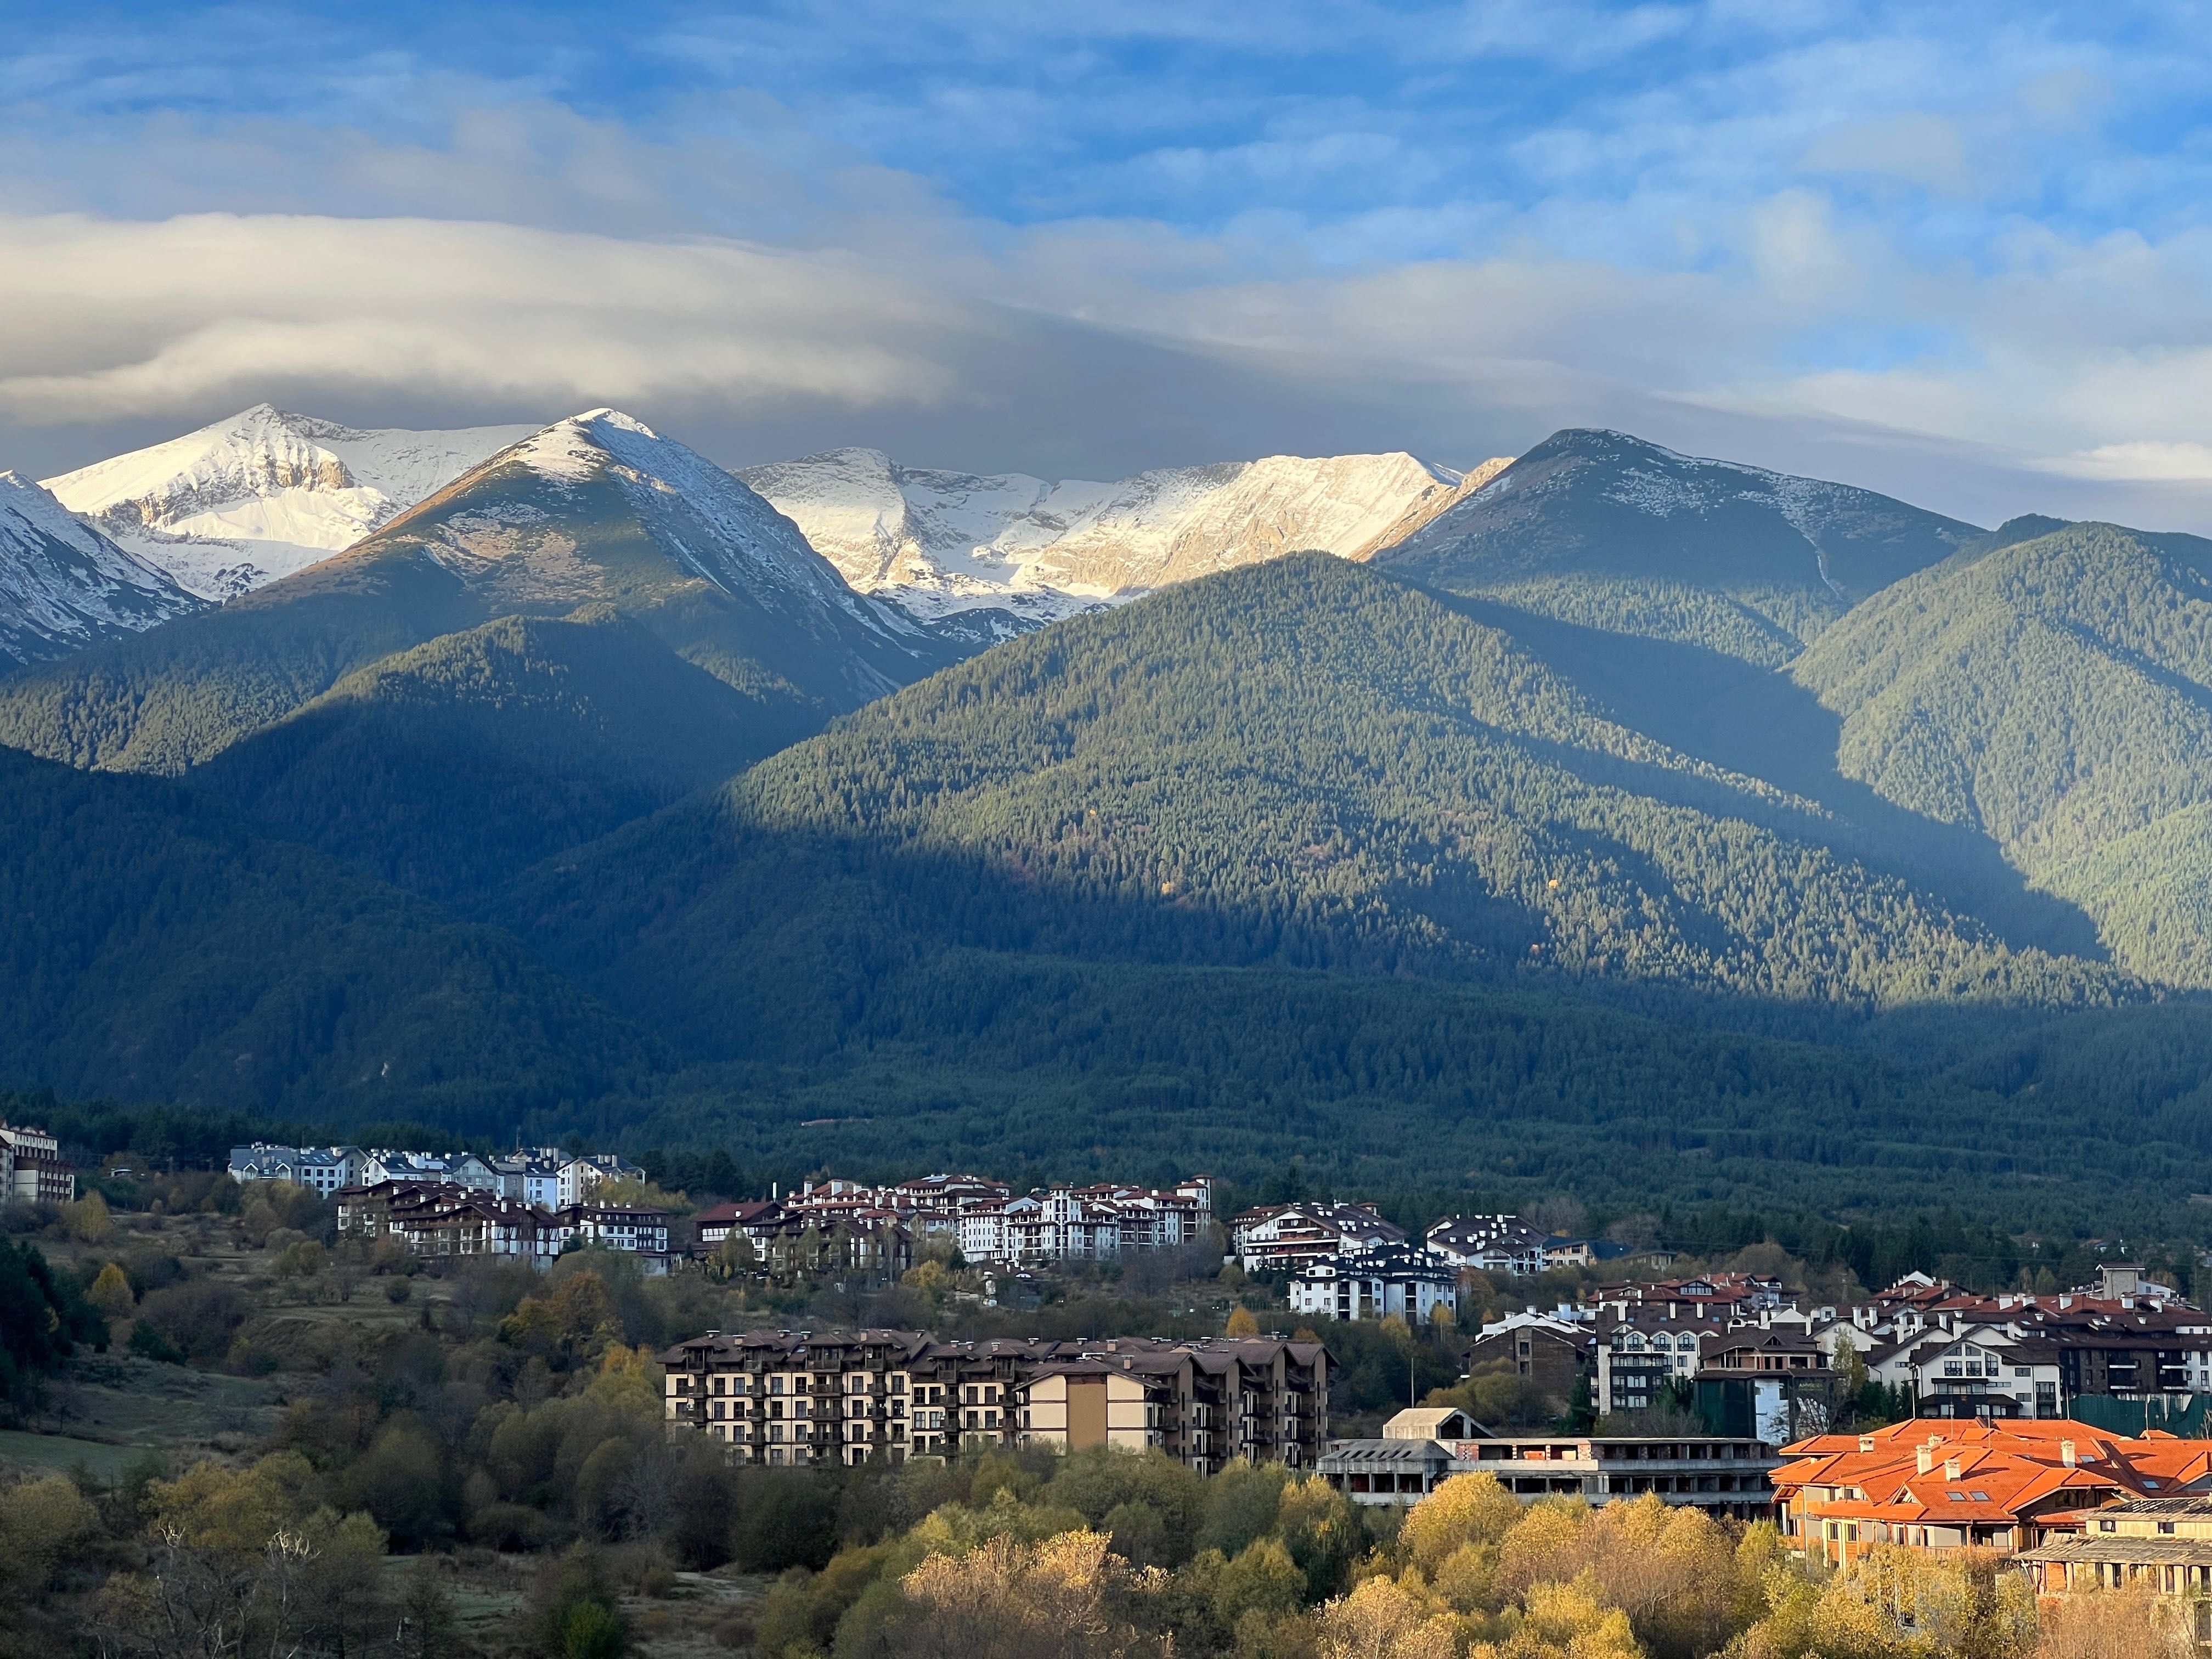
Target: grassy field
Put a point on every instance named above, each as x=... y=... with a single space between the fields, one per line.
x=46 y=1452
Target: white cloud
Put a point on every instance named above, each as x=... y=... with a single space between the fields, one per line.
x=111 y=317
x=2159 y=462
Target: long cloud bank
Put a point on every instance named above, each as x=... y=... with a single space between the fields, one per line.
x=1069 y=354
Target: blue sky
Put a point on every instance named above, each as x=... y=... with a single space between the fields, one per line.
x=1959 y=253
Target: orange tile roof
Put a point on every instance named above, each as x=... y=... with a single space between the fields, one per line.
x=2005 y=1469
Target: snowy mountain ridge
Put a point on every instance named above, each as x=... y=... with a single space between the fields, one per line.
x=941 y=542
x=243 y=502
x=63 y=585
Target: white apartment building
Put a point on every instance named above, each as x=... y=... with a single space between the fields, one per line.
x=323 y=1169
x=1491 y=1245
x=1286 y=1236
x=31 y=1167
x=1392 y=1279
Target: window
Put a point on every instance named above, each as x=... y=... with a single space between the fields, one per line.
x=2106 y=1526
x=2166 y=1526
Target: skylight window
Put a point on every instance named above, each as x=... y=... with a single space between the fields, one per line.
x=1981 y=1498
x=1956 y=1496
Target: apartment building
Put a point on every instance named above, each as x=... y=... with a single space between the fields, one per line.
x=787 y=1397
x=1553 y=1353
x=1503 y=1245
x=1391 y=1280
x=449 y=1220
x=1285 y=1237
x=31 y=1170
x=323 y=1168
x=2026 y=1355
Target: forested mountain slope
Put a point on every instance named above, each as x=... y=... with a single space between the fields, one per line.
x=2053 y=691
x=1605 y=529
x=1307 y=764
x=448 y=768
x=156 y=948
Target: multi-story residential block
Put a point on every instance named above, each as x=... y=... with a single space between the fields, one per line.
x=1421 y=1449
x=853 y=1396
x=627 y=1227
x=1389 y=1279
x=1640 y=1351
x=323 y=1169
x=580 y=1175
x=32 y=1169
x=1772 y=1383
x=531 y=1177
x=453 y=1169
x=1284 y=1237
x=449 y=1220
x=1503 y=1245
x=1060 y=1226
x=2019 y=1355
x=1553 y=1353
x=1940 y=1484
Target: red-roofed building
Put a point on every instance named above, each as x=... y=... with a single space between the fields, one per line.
x=1943 y=1483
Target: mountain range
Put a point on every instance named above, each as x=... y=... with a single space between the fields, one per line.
x=945 y=542
x=1741 y=832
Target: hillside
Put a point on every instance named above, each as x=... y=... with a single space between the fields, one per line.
x=1606 y=530
x=944 y=542
x=63 y=585
x=2052 y=692
x=1303 y=765
x=596 y=511
x=244 y=501
x=157 y=948
x=448 y=768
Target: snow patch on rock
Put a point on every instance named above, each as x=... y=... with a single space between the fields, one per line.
x=942 y=543
x=65 y=586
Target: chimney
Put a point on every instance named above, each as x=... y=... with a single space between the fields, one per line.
x=1866 y=1442
x=1925 y=1459
x=1950 y=1468
x=2066 y=1454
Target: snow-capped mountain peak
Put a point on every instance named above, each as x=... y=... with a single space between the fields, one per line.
x=942 y=542
x=244 y=501
x=65 y=586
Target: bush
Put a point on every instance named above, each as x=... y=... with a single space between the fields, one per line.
x=511 y=1527
x=198 y=1319
x=784 y=1518
x=573 y=1614
x=304 y=1259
